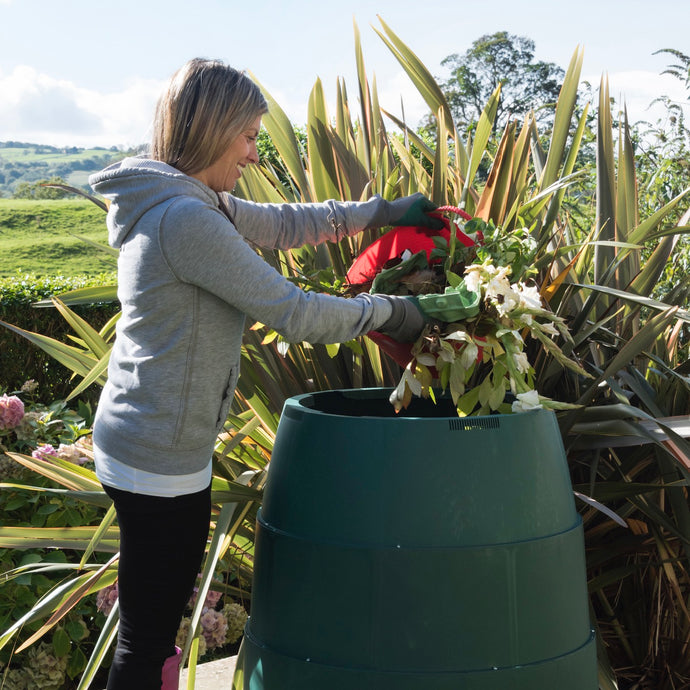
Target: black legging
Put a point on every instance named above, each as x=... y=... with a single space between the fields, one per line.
x=162 y=543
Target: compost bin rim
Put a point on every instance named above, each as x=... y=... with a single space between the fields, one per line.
x=301 y=402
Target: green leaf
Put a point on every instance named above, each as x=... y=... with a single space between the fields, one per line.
x=439 y=184
x=332 y=349
x=467 y=402
x=457 y=380
x=77 y=538
x=229 y=521
x=101 y=647
x=283 y=137
x=46 y=605
x=639 y=342
x=91 y=337
x=76 y=663
x=63 y=472
x=646 y=227
x=61 y=642
x=633 y=298
x=73 y=358
x=424 y=82
x=86 y=295
x=481 y=138
x=323 y=170
x=563 y=118
x=96 y=498
x=99 y=535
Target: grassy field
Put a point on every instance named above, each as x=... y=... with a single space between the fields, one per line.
x=43 y=238
x=34 y=153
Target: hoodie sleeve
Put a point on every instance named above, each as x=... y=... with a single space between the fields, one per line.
x=285 y=226
x=203 y=248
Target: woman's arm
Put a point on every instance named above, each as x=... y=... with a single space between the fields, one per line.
x=285 y=226
x=202 y=247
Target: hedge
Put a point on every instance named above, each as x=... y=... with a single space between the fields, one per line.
x=20 y=359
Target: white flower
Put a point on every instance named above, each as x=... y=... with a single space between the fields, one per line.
x=501 y=292
x=529 y=297
x=510 y=302
x=526 y=401
x=521 y=362
x=473 y=276
x=499 y=284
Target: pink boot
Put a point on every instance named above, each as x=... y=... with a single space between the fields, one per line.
x=170 y=677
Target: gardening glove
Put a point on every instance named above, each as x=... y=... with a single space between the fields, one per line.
x=388 y=281
x=407 y=321
x=414 y=211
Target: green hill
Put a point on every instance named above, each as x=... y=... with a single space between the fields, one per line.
x=27 y=163
x=53 y=237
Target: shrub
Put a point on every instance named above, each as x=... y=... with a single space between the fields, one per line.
x=54 y=430
x=20 y=361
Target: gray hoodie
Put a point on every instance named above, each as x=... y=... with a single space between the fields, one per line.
x=187 y=276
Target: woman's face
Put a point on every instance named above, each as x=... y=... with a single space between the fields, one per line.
x=222 y=175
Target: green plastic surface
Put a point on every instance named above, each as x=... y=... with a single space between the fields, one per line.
x=455 y=304
x=418 y=551
x=388 y=280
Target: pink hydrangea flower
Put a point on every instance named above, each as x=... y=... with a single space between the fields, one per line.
x=43 y=451
x=212 y=598
x=70 y=453
x=214 y=627
x=11 y=411
x=106 y=598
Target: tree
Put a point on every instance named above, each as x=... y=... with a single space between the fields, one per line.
x=40 y=189
x=508 y=60
x=680 y=70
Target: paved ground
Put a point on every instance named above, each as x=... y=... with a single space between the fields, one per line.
x=213 y=675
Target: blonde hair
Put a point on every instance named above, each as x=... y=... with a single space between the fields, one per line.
x=205 y=107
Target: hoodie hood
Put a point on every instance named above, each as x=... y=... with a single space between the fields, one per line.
x=135 y=185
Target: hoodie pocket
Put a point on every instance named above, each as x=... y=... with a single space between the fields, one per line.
x=227 y=397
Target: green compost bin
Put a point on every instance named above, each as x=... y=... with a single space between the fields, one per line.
x=418 y=551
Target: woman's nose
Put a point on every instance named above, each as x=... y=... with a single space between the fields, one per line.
x=253 y=153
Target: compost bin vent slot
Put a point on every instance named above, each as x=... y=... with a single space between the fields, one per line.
x=475 y=423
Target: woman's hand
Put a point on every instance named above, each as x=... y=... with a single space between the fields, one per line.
x=414 y=211
x=407 y=321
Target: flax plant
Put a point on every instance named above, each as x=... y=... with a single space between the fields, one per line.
x=626 y=431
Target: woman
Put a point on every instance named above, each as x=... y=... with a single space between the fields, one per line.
x=187 y=277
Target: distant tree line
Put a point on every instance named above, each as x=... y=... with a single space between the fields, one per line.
x=17 y=176
x=46 y=149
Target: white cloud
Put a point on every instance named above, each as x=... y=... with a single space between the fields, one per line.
x=41 y=109
x=638 y=89
x=394 y=89
x=398 y=94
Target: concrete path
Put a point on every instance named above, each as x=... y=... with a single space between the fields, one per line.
x=213 y=675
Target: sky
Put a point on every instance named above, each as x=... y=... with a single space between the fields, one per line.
x=78 y=73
